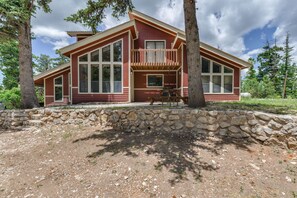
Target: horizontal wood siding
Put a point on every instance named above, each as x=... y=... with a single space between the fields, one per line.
x=147 y=32
x=79 y=98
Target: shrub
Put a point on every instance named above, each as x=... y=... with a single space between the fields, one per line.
x=11 y=98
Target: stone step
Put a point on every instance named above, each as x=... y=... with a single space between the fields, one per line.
x=36 y=117
x=36 y=123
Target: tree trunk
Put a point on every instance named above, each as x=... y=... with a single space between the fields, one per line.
x=284 y=95
x=195 y=89
x=28 y=95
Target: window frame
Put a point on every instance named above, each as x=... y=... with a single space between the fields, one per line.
x=101 y=63
x=222 y=74
x=54 y=81
x=147 y=76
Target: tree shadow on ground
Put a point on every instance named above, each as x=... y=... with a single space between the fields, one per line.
x=178 y=153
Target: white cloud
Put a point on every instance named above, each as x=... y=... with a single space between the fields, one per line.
x=221 y=23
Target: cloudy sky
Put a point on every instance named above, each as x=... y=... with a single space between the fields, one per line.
x=236 y=26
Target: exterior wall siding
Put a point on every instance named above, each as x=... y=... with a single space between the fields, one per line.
x=49 y=92
x=147 y=32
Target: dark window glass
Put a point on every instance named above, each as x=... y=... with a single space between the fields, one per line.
x=83 y=58
x=205 y=65
x=95 y=56
x=216 y=82
x=95 y=78
x=117 y=51
x=106 y=54
x=106 y=78
x=58 y=93
x=216 y=68
x=206 y=83
x=155 y=80
x=58 y=81
x=227 y=70
x=117 y=72
x=83 y=78
x=228 y=84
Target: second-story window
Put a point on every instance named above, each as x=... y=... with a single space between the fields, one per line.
x=155 y=52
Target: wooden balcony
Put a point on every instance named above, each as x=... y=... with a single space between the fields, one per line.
x=155 y=59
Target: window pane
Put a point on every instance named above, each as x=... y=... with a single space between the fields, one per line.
x=216 y=82
x=58 y=81
x=205 y=65
x=95 y=78
x=228 y=84
x=227 y=70
x=117 y=72
x=106 y=78
x=206 y=83
x=155 y=56
x=58 y=93
x=95 y=56
x=106 y=54
x=83 y=58
x=160 y=45
x=83 y=78
x=155 y=80
x=216 y=68
x=117 y=51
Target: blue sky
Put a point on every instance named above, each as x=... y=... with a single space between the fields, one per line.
x=238 y=27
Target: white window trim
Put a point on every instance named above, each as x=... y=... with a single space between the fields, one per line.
x=147 y=75
x=100 y=63
x=58 y=86
x=222 y=74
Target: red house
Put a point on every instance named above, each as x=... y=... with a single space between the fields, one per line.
x=133 y=61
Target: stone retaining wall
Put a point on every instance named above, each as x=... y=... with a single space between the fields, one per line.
x=267 y=128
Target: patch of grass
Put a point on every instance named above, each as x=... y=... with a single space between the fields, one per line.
x=277 y=106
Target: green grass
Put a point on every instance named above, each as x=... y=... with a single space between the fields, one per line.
x=277 y=106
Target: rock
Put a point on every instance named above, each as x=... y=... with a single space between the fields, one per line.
x=274 y=125
x=240 y=120
x=163 y=116
x=292 y=143
x=114 y=117
x=189 y=124
x=173 y=117
x=252 y=122
x=213 y=113
x=223 y=132
x=203 y=120
x=211 y=120
x=263 y=116
x=178 y=125
x=254 y=166
x=283 y=119
x=245 y=128
x=92 y=117
x=288 y=179
x=212 y=127
x=234 y=129
x=224 y=124
x=159 y=122
x=132 y=116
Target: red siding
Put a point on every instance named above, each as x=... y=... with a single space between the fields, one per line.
x=79 y=98
x=49 y=92
x=147 y=32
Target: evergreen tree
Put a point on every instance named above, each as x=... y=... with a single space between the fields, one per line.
x=43 y=63
x=15 y=23
x=250 y=82
x=270 y=60
x=61 y=59
x=287 y=70
x=94 y=13
x=9 y=64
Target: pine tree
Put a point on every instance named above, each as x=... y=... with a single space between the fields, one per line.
x=15 y=23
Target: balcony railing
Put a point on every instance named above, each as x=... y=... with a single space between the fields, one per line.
x=154 y=58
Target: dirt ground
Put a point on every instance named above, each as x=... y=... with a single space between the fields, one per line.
x=92 y=162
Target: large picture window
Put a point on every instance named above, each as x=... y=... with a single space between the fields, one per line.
x=155 y=80
x=216 y=78
x=58 y=89
x=100 y=71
